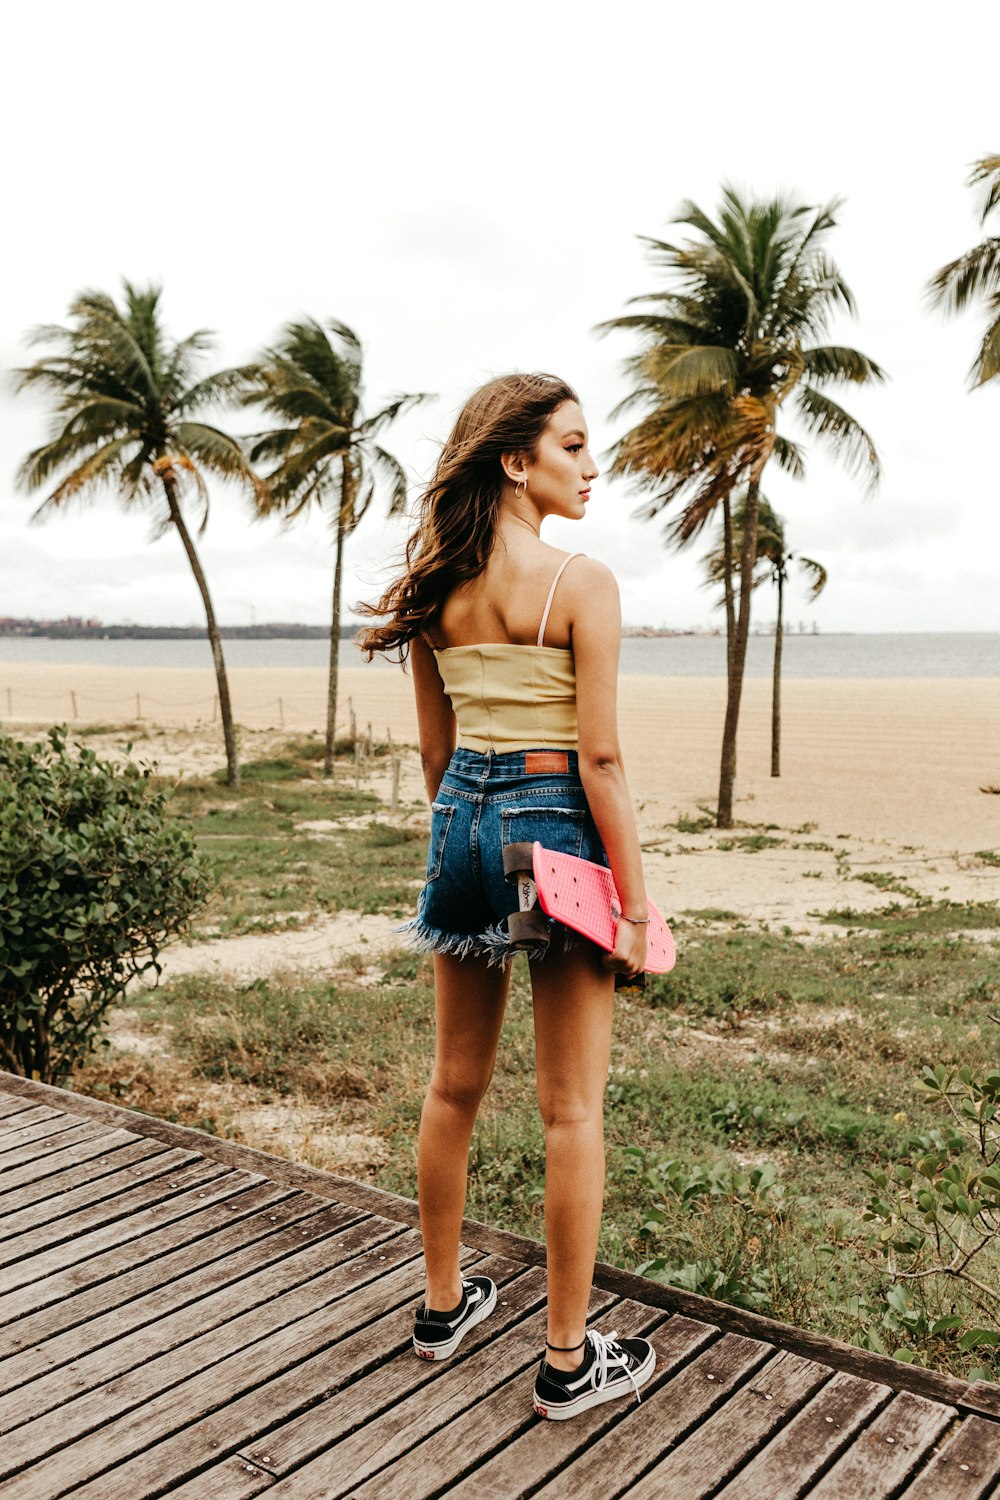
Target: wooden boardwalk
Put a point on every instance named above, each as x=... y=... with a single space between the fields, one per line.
x=183 y=1316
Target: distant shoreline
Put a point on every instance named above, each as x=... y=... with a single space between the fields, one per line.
x=92 y=630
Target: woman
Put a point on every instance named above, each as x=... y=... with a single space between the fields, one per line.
x=514 y=649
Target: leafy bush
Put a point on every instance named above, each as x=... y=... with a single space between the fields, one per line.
x=745 y=1208
x=95 y=878
x=936 y=1214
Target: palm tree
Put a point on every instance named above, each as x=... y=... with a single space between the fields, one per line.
x=772 y=551
x=723 y=348
x=325 y=451
x=977 y=273
x=126 y=399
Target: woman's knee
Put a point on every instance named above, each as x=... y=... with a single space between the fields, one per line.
x=462 y=1092
x=561 y=1111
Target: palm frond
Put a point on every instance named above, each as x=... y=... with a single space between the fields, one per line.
x=222 y=454
x=837 y=362
x=274 y=446
x=372 y=426
x=789 y=457
x=391 y=471
x=223 y=388
x=987 y=170
x=680 y=371
x=837 y=427
x=973 y=274
x=817 y=572
x=987 y=365
x=97 y=470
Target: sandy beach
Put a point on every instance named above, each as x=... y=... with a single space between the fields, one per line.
x=878 y=776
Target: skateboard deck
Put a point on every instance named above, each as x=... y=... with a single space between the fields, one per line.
x=582 y=895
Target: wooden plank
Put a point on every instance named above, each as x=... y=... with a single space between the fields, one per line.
x=234 y=1479
x=33 y=1165
x=282 y=1225
x=370 y=1200
x=44 y=1195
x=966 y=1466
x=35 y=1114
x=665 y=1418
x=32 y=1229
x=35 y=1139
x=92 y=1434
x=316 y=1383
x=143 y=1208
x=11 y=1104
x=112 y=1361
x=71 y=1297
x=716 y=1449
x=886 y=1454
x=83 y=1259
x=435 y=1409
x=805 y=1446
x=389 y=1384
x=545 y=1448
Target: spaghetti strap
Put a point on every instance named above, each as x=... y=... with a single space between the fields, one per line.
x=548 y=603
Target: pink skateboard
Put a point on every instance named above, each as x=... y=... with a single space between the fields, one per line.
x=579 y=894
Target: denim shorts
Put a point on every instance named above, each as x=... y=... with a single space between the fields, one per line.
x=485 y=802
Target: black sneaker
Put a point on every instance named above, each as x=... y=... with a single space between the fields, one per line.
x=611 y=1367
x=437 y=1335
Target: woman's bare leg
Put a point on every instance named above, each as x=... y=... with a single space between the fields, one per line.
x=469 y=1002
x=573 y=996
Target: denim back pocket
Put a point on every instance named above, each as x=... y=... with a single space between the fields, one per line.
x=558 y=828
x=441 y=816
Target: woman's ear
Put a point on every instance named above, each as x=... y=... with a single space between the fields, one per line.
x=513 y=466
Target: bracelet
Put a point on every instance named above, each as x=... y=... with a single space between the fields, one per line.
x=635 y=921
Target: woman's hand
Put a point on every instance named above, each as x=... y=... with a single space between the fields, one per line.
x=628 y=956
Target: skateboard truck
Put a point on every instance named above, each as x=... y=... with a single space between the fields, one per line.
x=528 y=927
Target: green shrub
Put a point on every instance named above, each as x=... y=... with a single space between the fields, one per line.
x=95 y=878
x=936 y=1217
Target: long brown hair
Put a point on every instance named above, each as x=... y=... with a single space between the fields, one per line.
x=457 y=527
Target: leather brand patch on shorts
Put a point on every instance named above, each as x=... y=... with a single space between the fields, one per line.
x=540 y=762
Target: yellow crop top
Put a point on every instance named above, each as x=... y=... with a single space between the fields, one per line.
x=509 y=697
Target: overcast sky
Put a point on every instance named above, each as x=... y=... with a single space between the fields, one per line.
x=464 y=185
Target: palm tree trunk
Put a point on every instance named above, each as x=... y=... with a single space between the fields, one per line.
x=225 y=703
x=727 y=555
x=776 y=686
x=344 y=517
x=748 y=555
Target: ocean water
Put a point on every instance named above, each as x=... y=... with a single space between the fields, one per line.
x=944 y=655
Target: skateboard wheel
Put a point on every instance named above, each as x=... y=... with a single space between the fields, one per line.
x=528 y=928
x=518 y=858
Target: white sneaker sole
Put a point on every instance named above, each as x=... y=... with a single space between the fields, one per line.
x=561 y=1411
x=445 y=1351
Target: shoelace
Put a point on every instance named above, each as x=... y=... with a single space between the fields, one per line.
x=607 y=1352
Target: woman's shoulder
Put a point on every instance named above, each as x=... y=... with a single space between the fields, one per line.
x=584 y=574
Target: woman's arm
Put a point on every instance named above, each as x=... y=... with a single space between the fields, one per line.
x=596 y=639
x=435 y=716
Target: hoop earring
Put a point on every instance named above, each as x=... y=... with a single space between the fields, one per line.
x=520 y=489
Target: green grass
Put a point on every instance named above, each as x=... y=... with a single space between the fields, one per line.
x=751 y=843
x=934 y=917
x=755 y=1050
x=271 y=871
x=750 y=1089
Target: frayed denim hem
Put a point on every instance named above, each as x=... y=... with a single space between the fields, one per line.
x=493 y=945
